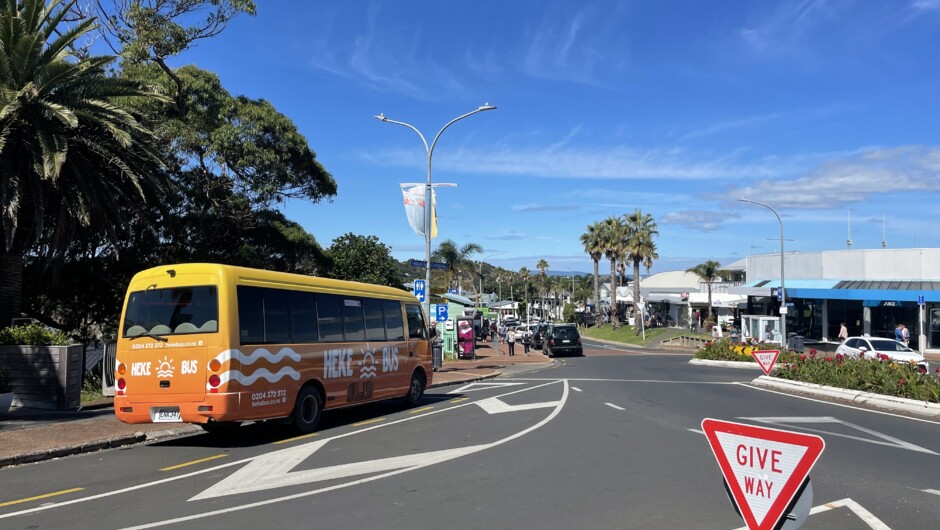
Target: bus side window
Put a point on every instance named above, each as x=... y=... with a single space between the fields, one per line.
x=276 y=321
x=375 y=320
x=354 y=324
x=416 y=329
x=330 y=318
x=250 y=315
x=394 y=325
x=303 y=317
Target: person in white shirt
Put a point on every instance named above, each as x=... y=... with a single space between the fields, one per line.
x=511 y=340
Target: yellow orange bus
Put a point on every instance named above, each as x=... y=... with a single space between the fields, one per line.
x=218 y=345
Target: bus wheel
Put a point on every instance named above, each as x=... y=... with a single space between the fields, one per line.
x=415 y=389
x=307 y=410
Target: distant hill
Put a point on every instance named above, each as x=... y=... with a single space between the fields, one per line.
x=566 y=274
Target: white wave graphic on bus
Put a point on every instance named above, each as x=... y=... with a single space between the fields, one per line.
x=248 y=359
x=262 y=373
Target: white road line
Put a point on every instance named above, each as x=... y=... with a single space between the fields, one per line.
x=748 y=385
x=696 y=431
x=657 y=381
x=576 y=389
x=247 y=460
x=611 y=405
x=873 y=522
x=935 y=492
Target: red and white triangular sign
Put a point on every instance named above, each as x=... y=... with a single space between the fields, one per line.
x=766 y=359
x=763 y=467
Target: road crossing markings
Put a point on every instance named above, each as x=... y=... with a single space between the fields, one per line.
x=296 y=438
x=39 y=497
x=422 y=409
x=611 y=405
x=576 y=389
x=251 y=459
x=866 y=516
x=367 y=422
x=497 y=406
x=486 y=385
x=192 y=463
x=935 y=492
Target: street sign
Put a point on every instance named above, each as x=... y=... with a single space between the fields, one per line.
x=780 y=295
x=921 y=300
x=420 y=263
x=764 y=468
x=765 y=359
x=440 y=310
x=420 y=289
x=453 y=291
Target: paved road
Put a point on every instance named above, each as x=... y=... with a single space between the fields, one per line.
x=609 y=440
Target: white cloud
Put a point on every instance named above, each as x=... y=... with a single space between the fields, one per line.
x=703 y=220
x=853 y=179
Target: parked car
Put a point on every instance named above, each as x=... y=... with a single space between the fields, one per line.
x=871 y=347
x=563 y=339
x=538 y=335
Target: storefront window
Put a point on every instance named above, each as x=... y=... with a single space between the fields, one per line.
x=933 y=334
x=848 y=311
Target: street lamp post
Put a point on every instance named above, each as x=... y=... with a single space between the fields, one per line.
x=480 y=294
x=783 y=291
x=427 y=193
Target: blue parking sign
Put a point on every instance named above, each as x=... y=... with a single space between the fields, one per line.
x=419 y=289
x=921 y=300
x=441 y=310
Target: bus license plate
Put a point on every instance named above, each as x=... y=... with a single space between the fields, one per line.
x=167 y=415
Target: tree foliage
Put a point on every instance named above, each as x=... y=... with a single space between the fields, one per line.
x=363 y=259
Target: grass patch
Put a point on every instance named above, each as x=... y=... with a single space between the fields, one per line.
x=625 y=334
x=89 y=395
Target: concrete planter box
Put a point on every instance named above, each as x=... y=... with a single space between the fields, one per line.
x=44 y=377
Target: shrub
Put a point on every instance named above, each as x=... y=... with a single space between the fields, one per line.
x=33 y=335
x=724 y=350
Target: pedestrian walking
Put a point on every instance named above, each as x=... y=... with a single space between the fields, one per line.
x=843 y=332
x=511 y=340
x=898 y=334
x=494 y=335
x=905 y=336
x=526 y=340
x=734 y=335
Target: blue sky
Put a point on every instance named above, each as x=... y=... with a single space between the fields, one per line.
x=819 y=108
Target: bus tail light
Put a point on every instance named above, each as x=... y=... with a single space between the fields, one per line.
x=215 y=365
x=122 y=369
x=205 y=408
x=121 y=384
x=127 y=409
x=214 y=382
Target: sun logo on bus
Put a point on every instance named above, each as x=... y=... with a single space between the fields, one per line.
x=366 y=365
x=166 y=368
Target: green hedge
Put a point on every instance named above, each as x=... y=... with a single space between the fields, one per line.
x=33 y=335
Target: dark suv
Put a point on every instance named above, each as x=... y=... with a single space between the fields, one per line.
x=563 y=339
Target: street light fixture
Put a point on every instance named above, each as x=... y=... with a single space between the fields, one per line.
x=427 y=192
x=783 y=292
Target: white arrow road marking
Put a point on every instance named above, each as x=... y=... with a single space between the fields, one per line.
x=935 y=492
x=394 y=466
x=473 y=387
x=497 y=406
x=273 y=469
x=611 y=405
x=890 y=441
x=873 y=522
x=576 y=389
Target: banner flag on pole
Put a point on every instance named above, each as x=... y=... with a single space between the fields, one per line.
x=414 y=208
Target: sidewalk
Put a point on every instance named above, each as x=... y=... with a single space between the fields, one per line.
x=30 y=435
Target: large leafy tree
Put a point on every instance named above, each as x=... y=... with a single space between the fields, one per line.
x=455 y=257
x=594 y=247
x=640 y=247
x=74 y=155
x=613 y=235
x=708 y=272
x=363 y=259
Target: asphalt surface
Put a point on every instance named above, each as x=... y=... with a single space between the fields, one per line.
x=609 y=440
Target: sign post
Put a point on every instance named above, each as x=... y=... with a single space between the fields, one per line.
x=420 y=290
x=764 y=468
x=766 y=359
x=922 y=337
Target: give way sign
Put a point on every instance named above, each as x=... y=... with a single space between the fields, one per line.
x=766 y=359
x=764 y=468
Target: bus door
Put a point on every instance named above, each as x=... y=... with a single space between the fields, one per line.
x=165 y=337
x=418 y=349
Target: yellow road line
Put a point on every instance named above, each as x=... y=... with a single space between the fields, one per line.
x=458 y=400
x=368 y=422
x=415 y=411
x=294 y=439
x=194 y=462
x=37 y=497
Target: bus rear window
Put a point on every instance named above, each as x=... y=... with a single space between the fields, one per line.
x=172 y=311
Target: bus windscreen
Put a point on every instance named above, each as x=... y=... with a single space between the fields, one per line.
x=172 y=311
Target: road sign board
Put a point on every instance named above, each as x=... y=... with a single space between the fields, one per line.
x=420 y=263
x=764 y=468
x=766 y=359
x=453 y=290
x=780 y=295
x=420 y=289
x=921 y=300
x=440 y=310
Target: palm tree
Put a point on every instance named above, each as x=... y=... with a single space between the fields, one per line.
x=708 y=272
x=524 y=275
x=594 y=247
x=72 y=154
x=542 y=266
x=640 y=248
x=454 y=257
x=612 y=236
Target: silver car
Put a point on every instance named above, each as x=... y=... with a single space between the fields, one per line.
x=871 y=347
